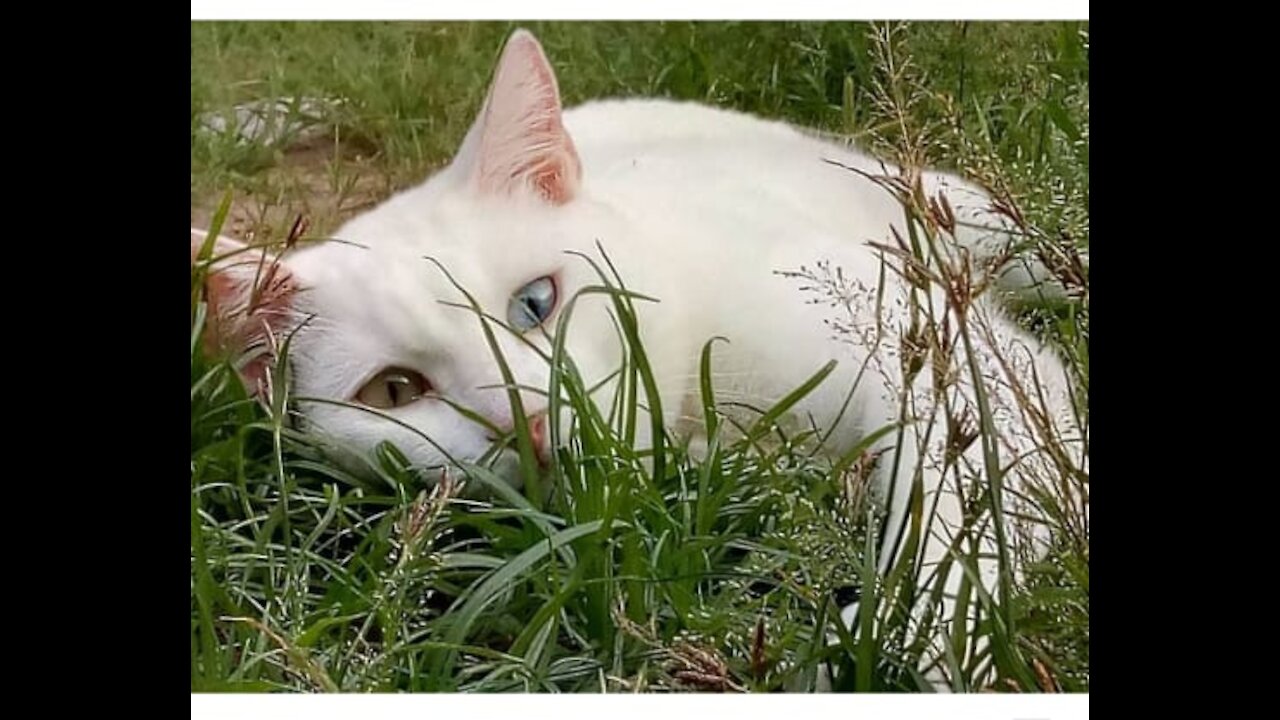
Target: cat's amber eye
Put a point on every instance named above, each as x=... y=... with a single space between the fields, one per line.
x=393 y=388
x=532 y=304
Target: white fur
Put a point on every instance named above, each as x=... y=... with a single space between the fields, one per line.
x=697 y=207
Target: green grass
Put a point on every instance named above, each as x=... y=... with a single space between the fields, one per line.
x=412 y=90
x=615 y=571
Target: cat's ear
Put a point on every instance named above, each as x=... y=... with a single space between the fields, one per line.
x=519 y=140
x=249 y=295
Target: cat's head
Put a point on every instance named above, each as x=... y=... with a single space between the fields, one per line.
x=374 y=323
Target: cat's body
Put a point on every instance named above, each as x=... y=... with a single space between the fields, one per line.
x=698 y=208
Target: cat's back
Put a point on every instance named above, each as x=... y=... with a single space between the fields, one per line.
x=606 y=129
x=650 y=120
x=757 y=181
x=723 y=163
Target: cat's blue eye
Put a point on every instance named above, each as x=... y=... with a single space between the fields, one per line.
x=532 y=304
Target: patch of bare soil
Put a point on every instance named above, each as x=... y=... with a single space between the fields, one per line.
x=316 y=180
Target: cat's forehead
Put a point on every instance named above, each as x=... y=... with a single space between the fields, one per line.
x=407 y=256
x=369 y=306
x=373 y=276
x=410 y=295
x=438 y=220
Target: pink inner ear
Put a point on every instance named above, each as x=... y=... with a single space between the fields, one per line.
x=523 y=142
x=250 y=301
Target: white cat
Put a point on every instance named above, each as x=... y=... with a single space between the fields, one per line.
x=697 y=207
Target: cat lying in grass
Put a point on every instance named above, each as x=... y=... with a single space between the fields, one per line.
x=729 y=224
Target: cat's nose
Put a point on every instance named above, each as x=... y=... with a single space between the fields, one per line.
x=538 y=434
